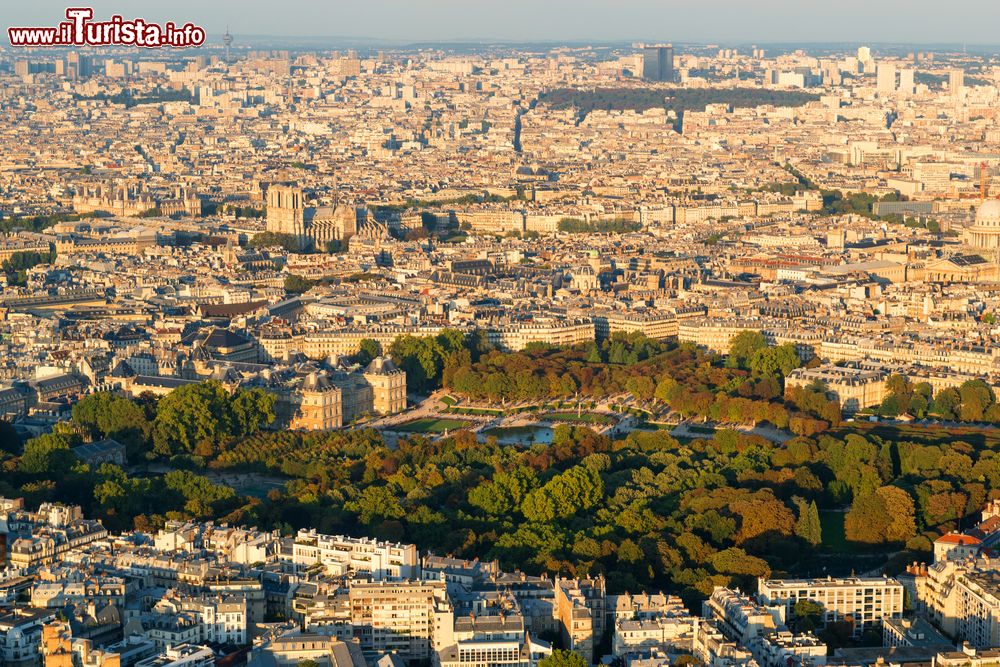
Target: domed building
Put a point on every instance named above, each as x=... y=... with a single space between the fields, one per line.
x=972 y=267
x=985 y=231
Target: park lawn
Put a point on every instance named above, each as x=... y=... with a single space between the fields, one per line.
x=834 y=538
x=656 y=426
x=930 y=434
x=431 y=425
x=449 y=400
x=486 y=412
x=582 y=418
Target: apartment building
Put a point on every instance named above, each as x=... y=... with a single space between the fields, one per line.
x=21 y=635
x=739 y=617
x=346 y=342
x=644 y=635
x=518 y=336
x=714 y=649
x=916 y=632
x=340 y=555
x=978 y=608
x=238 y=545
x=218 y=620
x=782 y=648
x=10 y=247
x=968 y=656
x=581 y=608
x=494 y=640
x=865 y=601
x=181 y=655
x=400 y=617
x=956 y=546
x=654 y=325
x=47 y=543
x=716 y=334
x=290 y=650
x=490 y=221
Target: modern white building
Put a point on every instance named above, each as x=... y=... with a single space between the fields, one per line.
x=863 y=600
x=341 y=555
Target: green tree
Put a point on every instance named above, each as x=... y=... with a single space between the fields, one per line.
x=808 y=615
x=737 y=561
x=297 y=284
x=575 y=490
x=202 y=497
x=945 y=404
x=886 y=515
x=190 y=415
x=376 y=503
x=808 y=525
x=251 y=410
x=560 y=658
x=976 y=398
x=288 y=242
x=369 y=350
x=780 y=360
x=108 y=415
x=504 y=493
x=47 y=454
x=17 y=265
x=667 y=389
x=424 y=357
x=10 y=441
x=743 y=346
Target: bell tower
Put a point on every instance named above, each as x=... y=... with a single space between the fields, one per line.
x=285 y=211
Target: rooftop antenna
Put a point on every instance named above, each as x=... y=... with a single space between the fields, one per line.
x=227 y=39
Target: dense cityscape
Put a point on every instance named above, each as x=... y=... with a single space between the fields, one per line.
x=636 y=355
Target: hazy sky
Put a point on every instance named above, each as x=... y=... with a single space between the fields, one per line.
x=910 y=21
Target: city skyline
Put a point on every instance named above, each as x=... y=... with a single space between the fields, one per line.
x=520 y=21
x=564 y=334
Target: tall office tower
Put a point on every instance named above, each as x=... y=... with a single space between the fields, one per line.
x=885 y=78
x=658 y=63
x=73 y=64
x=956 y=82
x=864 y=59
x=906 y=81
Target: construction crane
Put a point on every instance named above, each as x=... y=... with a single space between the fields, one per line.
x=983 y=190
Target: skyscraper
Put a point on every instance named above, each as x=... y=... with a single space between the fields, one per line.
x=865 y=62
x=906 y=81
x=658 y=63
x=956 y=82
x=885 y=78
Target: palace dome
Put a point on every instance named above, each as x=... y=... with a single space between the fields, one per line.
x=984 y=233
x=988 y=214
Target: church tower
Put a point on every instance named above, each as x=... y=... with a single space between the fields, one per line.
x=285 y=211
